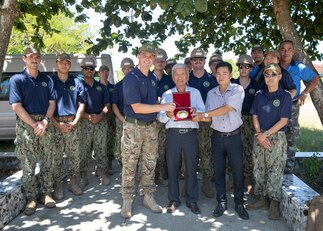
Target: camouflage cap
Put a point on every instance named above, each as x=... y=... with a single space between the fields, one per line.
x=272 y=52
x=31 y=50
x=245 y=59
x=104 y=67
x=171 y=62
x=88 y=62
x=272 y=67
x=257 y=47
x=127 y=62
x=198 y=53
x=147 y=48
x=161 y=55
x=215 y=57
x=63 y=56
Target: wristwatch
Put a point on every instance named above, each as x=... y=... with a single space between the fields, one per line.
x=206 y=115
x=267 y=133
x=305 y=94
x=47 y=119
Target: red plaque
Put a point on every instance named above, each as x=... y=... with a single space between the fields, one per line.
x=183 y=106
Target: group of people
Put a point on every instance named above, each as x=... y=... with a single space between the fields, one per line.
x=243 y=122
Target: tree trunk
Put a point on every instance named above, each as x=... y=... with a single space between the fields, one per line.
x=288 y=31
x=8 y=14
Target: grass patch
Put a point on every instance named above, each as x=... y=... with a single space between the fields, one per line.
x=7 y=146
x=310 y=140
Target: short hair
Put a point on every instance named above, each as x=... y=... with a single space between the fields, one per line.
x=224 y=64
x=181 y=66
x=286 y=41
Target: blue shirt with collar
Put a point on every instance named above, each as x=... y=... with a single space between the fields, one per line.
x=138 y=88
x=249 y=95
x=164 y=84
x=117 y=96
x=300 y=71
x=67 y=95
x=255 y=71
x=97 y=97
x=34 y=94
x=270 y=107
x=110 y=88
x=203 y=84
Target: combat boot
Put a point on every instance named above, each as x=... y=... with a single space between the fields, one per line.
x=260 y=202
x=74 y=188
x=48 y=201
x=150 y=203
x=273 y=213
x=206 y=188
x=104 y=179
x=126 y=208
x=58 y=190
x=30 y=207
x=84 y=180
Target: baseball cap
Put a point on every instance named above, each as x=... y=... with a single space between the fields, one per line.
x=188 y=59
x=31 y=50
x=147 y=48
x=127 y=62
x=161 y=55
x=245 y=59
x=104 y=67
x=273 y=67
x=273 y=52
x=198 y=53
x=171 y=62
x=257 y=47
x=63 y=56
x=88 y=62
x=215 y=57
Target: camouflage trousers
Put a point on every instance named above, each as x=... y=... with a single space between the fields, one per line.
x=111 y=134
x=205 y=154
x=138 y=143
x=31 y=149
x=269 y=166
x=248 y=132
x=93 y=143
x=292 y=133
x=161 y=166
x=68 y=143
x=119 y=130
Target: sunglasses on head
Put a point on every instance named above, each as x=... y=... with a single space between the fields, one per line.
x=88 y=68
x=274 y=75
x=241 y=66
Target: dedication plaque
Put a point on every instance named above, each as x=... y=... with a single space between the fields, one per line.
x=183 y=106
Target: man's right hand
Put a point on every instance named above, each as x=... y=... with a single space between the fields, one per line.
x=168 y=107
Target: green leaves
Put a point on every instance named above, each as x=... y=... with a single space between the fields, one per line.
x=201 y=5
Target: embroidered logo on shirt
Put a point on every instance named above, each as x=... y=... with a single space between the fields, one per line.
x=206 y=84
x=98 y=88
x=276 y=102
x=153 y=83
x=166 y=87
x=252 y=91
x=111 y=90
x=44 y=84
x=72 y=88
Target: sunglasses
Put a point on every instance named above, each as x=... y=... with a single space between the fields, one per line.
x=246 y=66
x=274 y=75
x=88 y=68
x=198 y=59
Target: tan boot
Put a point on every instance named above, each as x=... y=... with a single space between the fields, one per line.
x=126 y=208
x=273 y=213
x=30 y=207
x=58 y=190
x=84 y=180
x=48 y=201
x=150 y=203
x=74 y=188
x=103 y=177
x=206 y=188
x=260 y=202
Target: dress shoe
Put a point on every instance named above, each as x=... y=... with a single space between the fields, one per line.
x=242 y=212
x=171 y=207
x=220 y=208
x=194 y=208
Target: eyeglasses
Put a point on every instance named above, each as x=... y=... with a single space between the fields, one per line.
x=198 y=59
x=246 y=66
x=274 y=75
x=88 y=68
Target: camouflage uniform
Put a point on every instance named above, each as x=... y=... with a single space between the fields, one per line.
x=248 y=132
x=204 y=137
x=31 y=149
x=161 y=167
x=119 y=128
x=93 y=138
x=138 y=142
x=269 y=166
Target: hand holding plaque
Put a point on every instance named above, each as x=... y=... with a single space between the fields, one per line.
x=183 y=106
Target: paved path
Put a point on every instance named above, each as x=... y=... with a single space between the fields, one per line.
x=99 y=207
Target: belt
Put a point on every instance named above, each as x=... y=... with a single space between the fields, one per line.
x=182 y=130
x=226 y=134
x=65 y=119
x=37 y=117
x=138 y=122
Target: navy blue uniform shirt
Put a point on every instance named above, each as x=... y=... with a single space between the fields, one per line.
x=33 y=93
x=249 y=95
x=271 y=107
x=203 y=84
x=97 y=97
x=138 y=88
x=165 y=83
x=110 y=88
x=67 y=95
x=117 y=96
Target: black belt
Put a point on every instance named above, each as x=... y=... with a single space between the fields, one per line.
x=226 y=134
x=182 y=130
x=138 y=122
